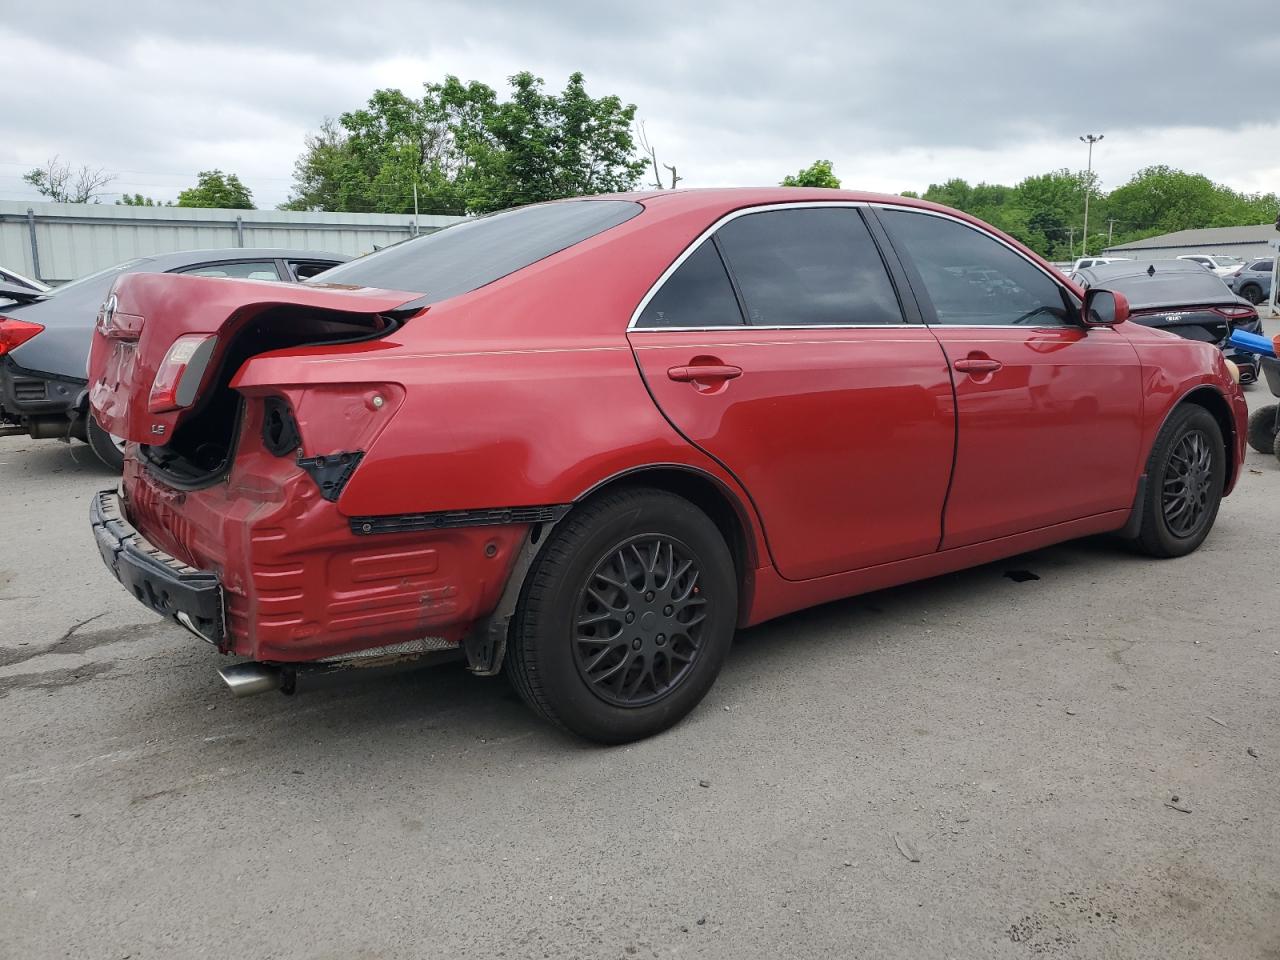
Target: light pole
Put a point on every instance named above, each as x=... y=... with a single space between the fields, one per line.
x=1090 y=139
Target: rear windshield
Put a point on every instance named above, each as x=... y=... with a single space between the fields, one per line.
x=1171 y=288
x=468 y=255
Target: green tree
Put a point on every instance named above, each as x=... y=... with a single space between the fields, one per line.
x=1162 y=199
x=467 y=151
x=817 y=174
x=138 y=200
x=217 y=189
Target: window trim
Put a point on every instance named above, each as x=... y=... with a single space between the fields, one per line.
x=709 y=233
x=909 y=266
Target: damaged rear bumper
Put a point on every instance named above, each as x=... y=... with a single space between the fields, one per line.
x=190 y=597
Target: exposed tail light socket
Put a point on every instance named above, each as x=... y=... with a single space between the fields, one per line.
x=279 y=430
x=178 y=379
x=14 y=333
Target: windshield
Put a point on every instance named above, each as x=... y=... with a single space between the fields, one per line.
x=1227 y=261
x=470 y=254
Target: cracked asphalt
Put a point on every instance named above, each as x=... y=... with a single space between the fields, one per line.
x=1025 y=740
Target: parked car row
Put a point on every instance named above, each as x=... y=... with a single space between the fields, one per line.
x=583 y=442
x=1180 y=296
x=1219 y=265
x=45 y=336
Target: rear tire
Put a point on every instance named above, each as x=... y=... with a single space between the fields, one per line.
x=1186 y=473
x=106 y=447
x=626 y=617
x=1262 y=428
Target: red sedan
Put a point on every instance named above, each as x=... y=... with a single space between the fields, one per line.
x=585 y=441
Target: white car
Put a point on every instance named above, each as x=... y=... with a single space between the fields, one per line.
x=1223 y=266
x=18 y=280
x=1094 y=261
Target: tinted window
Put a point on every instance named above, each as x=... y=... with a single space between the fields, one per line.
x=698 y=294
x=255 y=270
x=1264 y=265
x=467 y=255
x=1169 y=288
x=972 y=278
x=808 y=267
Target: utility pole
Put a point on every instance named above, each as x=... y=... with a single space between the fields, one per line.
x=1071 y=243
x=1111 y=225
x=1090 y=139
x=415 y=208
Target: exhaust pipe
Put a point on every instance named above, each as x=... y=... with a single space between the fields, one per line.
x=246 y=679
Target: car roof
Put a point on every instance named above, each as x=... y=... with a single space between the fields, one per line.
x=716 y=202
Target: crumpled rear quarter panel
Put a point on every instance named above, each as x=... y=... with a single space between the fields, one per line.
x=298 y=585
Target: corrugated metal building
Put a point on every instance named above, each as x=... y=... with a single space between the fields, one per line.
x=1242 y=242
x=57 y=242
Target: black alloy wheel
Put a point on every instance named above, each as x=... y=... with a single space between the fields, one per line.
x=1188 y=482
x=640 y=621
x=1186 y=474
x=625 y=617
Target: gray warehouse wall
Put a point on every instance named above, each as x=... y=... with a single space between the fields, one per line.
x=71 y=240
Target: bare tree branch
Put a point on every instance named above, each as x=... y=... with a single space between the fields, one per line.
x=56 y=181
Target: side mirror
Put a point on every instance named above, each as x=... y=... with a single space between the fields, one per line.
x=1104 y=308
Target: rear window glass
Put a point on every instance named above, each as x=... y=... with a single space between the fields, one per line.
x=698 y=294
x=1170 y=288
x=468 y=255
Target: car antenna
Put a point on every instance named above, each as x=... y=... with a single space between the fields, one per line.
x=1151 y=270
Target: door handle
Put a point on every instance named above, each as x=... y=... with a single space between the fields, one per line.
x=704 y=371
x=977 y=366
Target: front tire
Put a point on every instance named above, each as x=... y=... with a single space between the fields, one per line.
x=626 y=617
x=107 y=448
x=1186 y=473
x=1253 y=293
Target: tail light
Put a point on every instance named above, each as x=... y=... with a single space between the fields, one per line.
x=14 y=333
x=1236 y=313
x=178 y=379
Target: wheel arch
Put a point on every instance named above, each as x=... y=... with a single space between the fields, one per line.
x=710 y=495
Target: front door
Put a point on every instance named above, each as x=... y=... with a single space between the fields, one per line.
x=801 y=376
x=1049 y=411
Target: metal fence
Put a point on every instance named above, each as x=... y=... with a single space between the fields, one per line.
x=57 y=242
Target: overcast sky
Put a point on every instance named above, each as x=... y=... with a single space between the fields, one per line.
x=897 y=95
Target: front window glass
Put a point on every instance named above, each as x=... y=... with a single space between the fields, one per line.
x=972 y=278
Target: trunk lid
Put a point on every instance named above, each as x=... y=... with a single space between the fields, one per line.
x=164 y=344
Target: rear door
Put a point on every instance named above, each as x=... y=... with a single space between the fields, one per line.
x=1049 y=411
x=778 y=345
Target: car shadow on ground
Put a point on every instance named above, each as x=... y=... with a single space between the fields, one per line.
x=449 y=705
